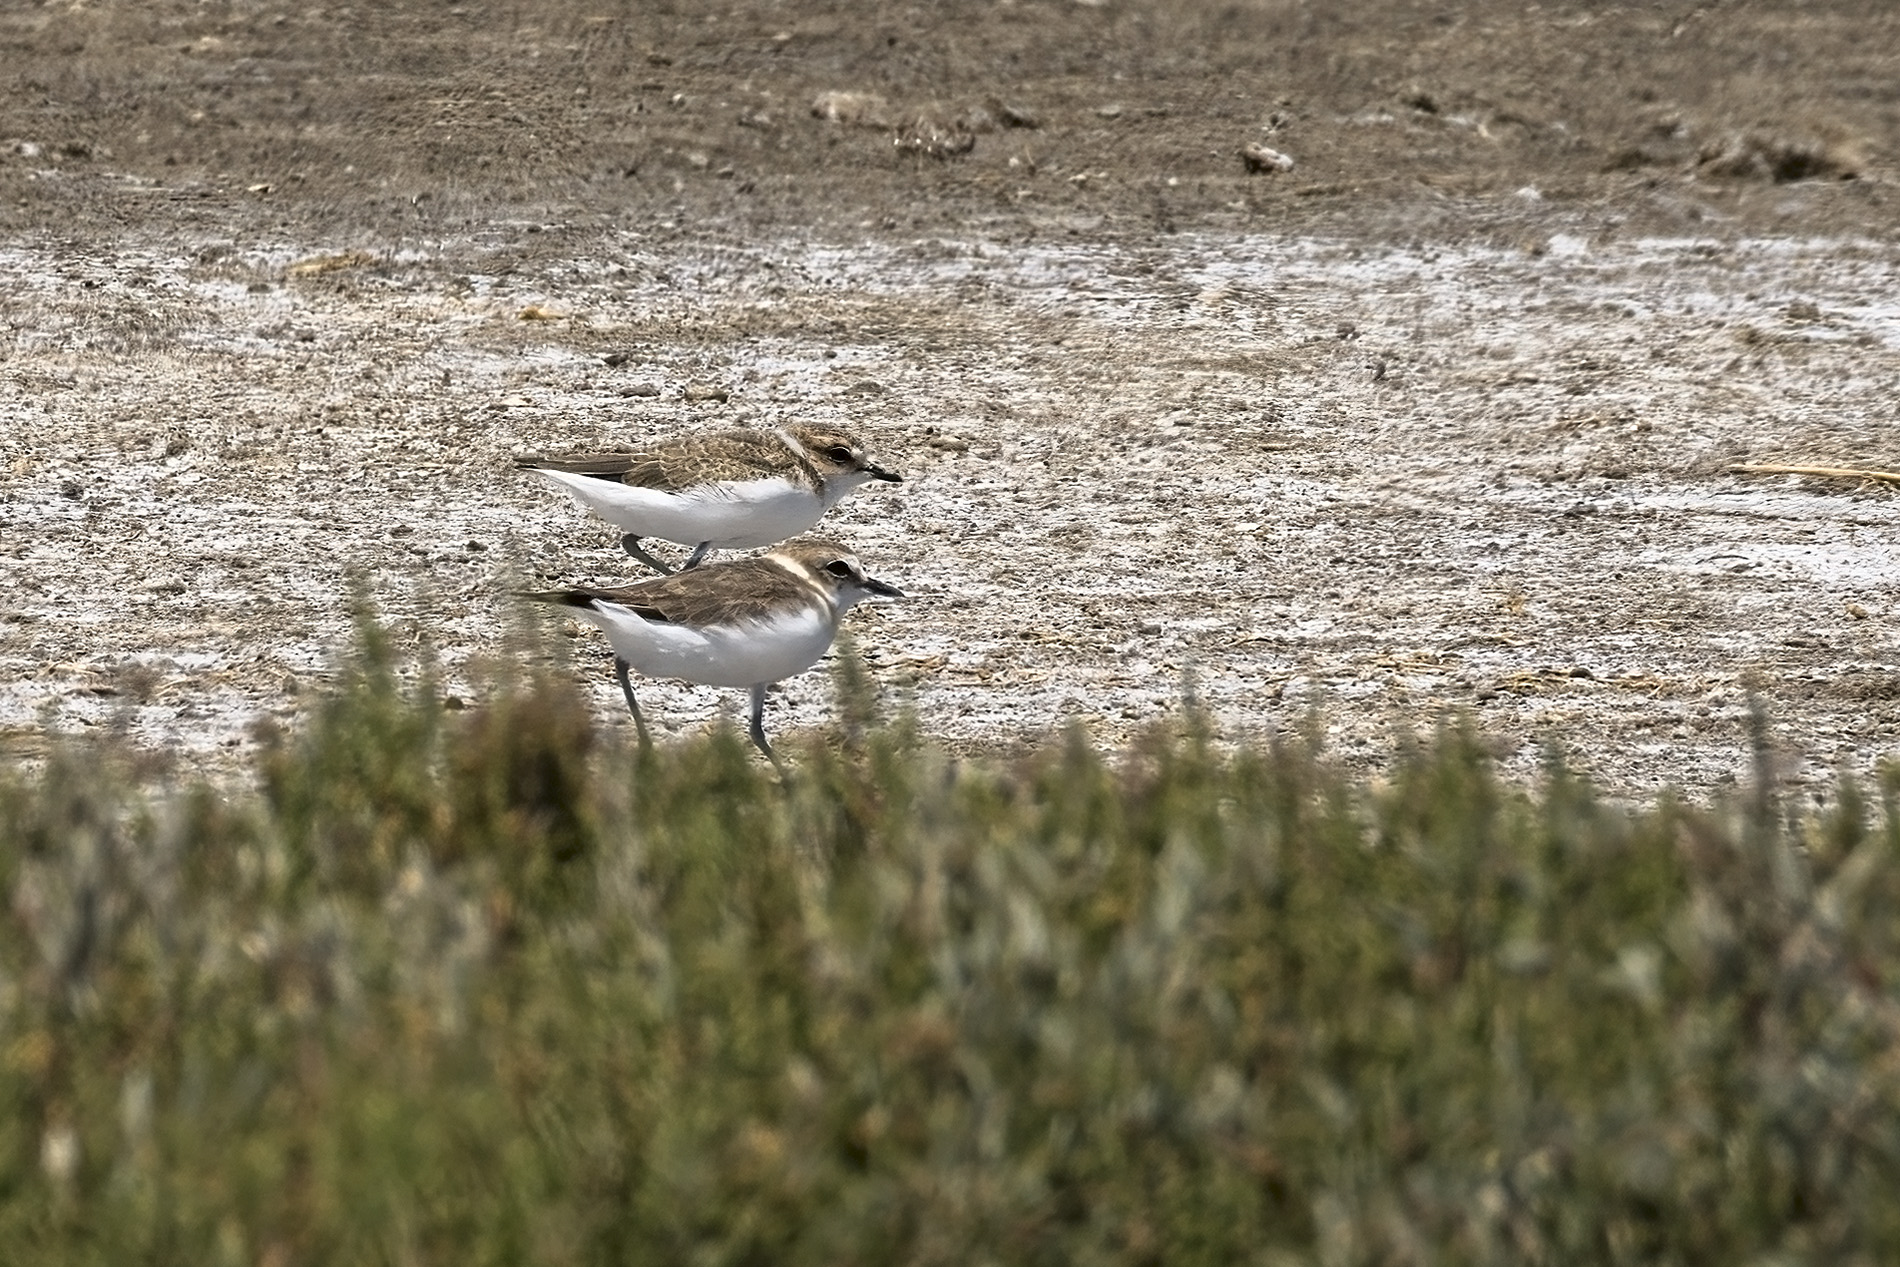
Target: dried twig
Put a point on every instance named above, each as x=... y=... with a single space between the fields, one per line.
x=1837 y=472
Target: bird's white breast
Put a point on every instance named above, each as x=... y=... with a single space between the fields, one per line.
x=731 y=514
x=743 y=654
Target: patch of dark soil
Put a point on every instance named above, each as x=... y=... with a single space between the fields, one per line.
x=419 y=118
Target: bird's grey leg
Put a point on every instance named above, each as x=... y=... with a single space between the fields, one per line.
x=697 y=557
x=631 y=544
x=758 y=726
x=626 y=689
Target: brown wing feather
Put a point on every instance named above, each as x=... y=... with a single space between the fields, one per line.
x=604 y=465
x=717 y=594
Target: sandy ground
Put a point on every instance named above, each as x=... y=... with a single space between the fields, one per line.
x=1441 y=419
x=1375 y=481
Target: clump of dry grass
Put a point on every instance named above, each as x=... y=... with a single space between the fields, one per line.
x=480 y=986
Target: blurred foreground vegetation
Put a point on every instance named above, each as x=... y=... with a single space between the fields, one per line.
x=485 y=987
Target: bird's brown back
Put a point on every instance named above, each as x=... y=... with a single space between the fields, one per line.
x=689 y=461
x=735 y=592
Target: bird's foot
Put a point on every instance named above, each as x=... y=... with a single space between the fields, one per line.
x=631 y=544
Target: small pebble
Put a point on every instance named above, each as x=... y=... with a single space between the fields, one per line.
x=1259 y=158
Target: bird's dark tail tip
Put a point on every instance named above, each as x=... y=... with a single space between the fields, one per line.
x=560 y=598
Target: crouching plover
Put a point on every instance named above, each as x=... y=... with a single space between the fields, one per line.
x=727 y=490
x=746 y=622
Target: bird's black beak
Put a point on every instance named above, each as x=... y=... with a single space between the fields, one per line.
x=883 y=588
x=877 y=472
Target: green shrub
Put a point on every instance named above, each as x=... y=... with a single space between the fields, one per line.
x=488 y=987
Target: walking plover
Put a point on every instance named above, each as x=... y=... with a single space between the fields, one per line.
x=725 y=490
x=744 y=622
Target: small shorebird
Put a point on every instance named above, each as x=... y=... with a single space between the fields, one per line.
x=724 y=490
x=744 y=622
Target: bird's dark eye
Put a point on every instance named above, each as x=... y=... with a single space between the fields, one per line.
x=839 y=568
x=839 y=453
